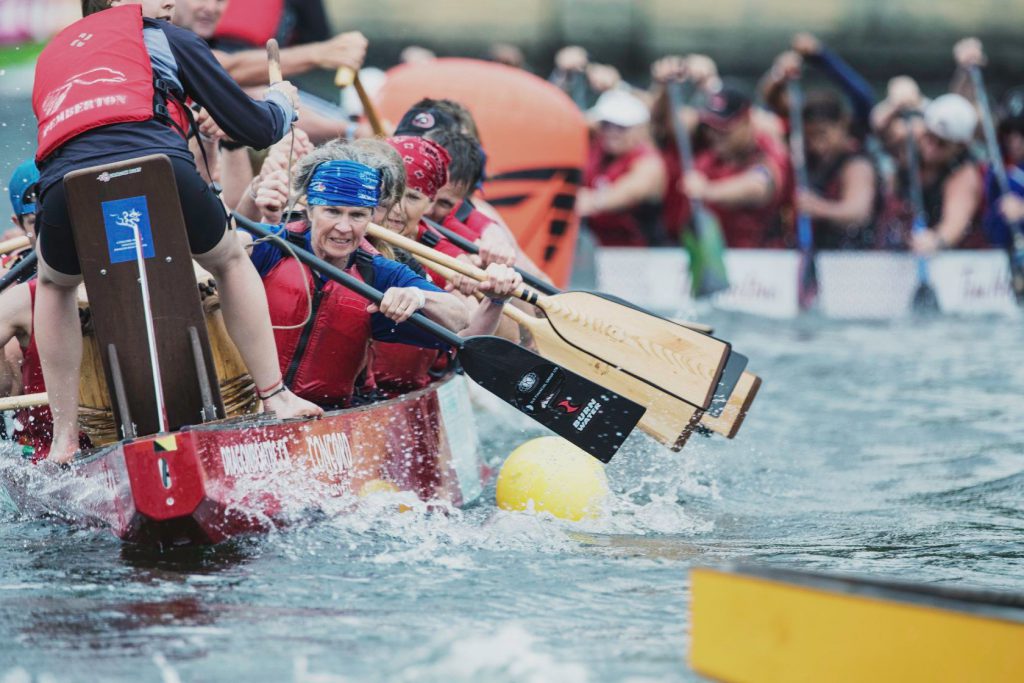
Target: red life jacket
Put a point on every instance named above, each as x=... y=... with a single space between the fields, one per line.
x=400 y=368
x=466 y=220
x=321 y=357
x=253 y=22
x=625 y=227
x=477 y=221
x=96 y=72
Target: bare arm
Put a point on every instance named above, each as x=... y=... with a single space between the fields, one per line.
x=645 y=181
x=249 y=67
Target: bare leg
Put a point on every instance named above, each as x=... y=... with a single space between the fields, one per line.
x=247 y=317
x=59 y=339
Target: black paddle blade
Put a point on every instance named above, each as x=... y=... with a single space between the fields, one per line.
x=925 y=300
x=580 y=411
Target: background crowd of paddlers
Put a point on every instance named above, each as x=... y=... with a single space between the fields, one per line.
x=858 y=187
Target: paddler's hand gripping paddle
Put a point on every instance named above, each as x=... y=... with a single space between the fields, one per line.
x=584 y=413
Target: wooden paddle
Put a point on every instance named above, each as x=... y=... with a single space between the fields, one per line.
x=14 y=244
x=594 y=418
x=1016 y=247
x=925 y=300
x=707 y=246
x=537 y=283
x=807 y=282
x=667 y=356
x=345 y=77
x=668 y=420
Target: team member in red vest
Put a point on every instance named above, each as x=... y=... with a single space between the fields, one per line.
x=624 y=179
x=742 y=172
x=113 y=86
x=33 y=426
x=398 y=368
x=324 y=330
x=471 y=216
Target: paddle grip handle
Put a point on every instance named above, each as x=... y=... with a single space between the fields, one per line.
x=471 y=248
x=344 y=279
x=274 y=61
x=434 y=256
x=24 y=401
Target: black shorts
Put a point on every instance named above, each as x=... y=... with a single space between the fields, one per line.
x=205 y=219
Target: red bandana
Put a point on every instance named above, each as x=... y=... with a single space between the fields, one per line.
x=426 y=163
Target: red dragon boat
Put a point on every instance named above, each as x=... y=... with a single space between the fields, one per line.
x=211 y=482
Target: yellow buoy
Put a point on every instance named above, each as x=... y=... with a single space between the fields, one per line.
x=556 y=477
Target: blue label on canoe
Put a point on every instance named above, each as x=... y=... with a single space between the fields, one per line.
x=120 y=218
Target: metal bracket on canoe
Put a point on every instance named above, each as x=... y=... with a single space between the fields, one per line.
x=209 y=411
x=120 y=396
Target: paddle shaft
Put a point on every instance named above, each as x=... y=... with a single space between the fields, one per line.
x=798 y=152
x=348 y=281
x=274 y=61
x=460 y=267
x=14 y=244
x=24 y=401
x=684 y=147
x=345 y=77
x=15 y=274
x=539 y=284
x=994 y=156
x=920 y=222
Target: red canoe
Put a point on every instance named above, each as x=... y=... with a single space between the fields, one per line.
x=208 y=483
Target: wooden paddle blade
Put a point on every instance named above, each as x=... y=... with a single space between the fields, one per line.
x=667 y=420
x=729 y=422
x=582 y=412
x=681 y=362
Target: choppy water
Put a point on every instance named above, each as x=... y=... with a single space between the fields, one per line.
x=895 y=450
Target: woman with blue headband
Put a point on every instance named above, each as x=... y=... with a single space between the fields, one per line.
x=323 y=330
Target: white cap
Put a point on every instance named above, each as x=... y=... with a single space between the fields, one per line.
x=951 y=117
x=621 y=108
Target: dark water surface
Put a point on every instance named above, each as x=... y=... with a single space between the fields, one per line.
x=895 y=450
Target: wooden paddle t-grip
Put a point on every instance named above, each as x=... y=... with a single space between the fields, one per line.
x=344 y=77
x=274 y=61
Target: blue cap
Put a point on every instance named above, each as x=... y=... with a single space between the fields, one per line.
x=25 y=176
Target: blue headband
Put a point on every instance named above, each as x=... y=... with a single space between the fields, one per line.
x=344 y=183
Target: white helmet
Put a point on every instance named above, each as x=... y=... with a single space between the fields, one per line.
x=951 y=117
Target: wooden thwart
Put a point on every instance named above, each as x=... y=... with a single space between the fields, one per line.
x=103 y=203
